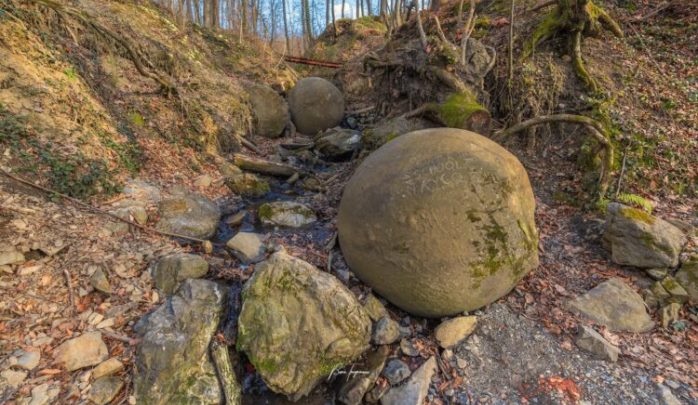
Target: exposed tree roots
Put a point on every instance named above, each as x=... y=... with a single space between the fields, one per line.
x=574 y=18
x=596 y=129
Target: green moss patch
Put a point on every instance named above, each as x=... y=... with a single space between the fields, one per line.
x=457 y=109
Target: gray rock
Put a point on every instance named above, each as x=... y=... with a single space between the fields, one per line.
x=139 y=193
x=675 y=290
x=374 y=308
x=388 y=130
x=28 y=360
x=396 y=371
x=269 y=110
x=99 y=281
x=408 y=348
x=11 y=257
x=353 y=391
x=85 y=350
x=136 y=213
x=452 y=331
x=171 y=270
x=315 y=105
x=247 y=185
x=247 y=246
x=666 y=397
x=638 y=239
x=189 y=215
x=615 y=305
x=687 y=276
x=297 y=324
x=172 y=359
x=588 y=339
x=415 y=389
x=338 y=142
x=104 y=389
x=385 y=331
x=289 y=214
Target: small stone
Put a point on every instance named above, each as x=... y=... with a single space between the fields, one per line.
x=203 y=181
x=449 y=333
x=247 y=246
x=385 y=331
x=356 y=386
x=136 y=213
x=615 y=305
x=6 y=269
x=396 y=371
x=12 y=378
x=461 y=363
x=95 y=318
x=286 y=214
x=657 y=274
x=678 y=293
x=44 y=394
x=666 y=397
x=104 y=389
x=11 y=257
x=107 y=367
x=172 y=269
x=408 y=348
x=28 y=360
x=415 y=389
x=236 y=219
x=670 y=313
x=100 y=282
x=107 y=323
x=374 y=308
x=27 y=270
x=588 y=339
x=83 y=351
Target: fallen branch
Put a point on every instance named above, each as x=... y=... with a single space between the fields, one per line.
x=263 y=166
x=101 y=211
x=596 y=129
x=71 y=296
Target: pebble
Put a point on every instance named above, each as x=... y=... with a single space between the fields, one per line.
x=13 y=378
x=247 y=246
x=203 y=181
x=28 y=360
x=450 y=332
x=408 y=348
x=99 y=281
x=396 y=371
x=104 y=389
x=11 y=257
x=591 y=341
x=107 y=367
x=27 y=270
x=44 y=394
x=83 y=351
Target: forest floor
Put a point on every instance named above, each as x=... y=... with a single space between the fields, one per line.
x=526 y=337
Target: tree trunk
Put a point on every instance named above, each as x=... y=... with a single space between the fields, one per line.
x=288 y=40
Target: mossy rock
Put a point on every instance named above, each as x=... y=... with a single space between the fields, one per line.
x=288 y=214
x=247 y=185
x=270 y=111
x=316 y=105
x=189 y=214
x=297 y=324
x=639 y=239
x=687 y=277
x=439 y=222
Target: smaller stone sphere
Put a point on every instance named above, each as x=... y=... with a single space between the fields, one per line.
x=269 y=109
x=316 y=105
x=439 y=221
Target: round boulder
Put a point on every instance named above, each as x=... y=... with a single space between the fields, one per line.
x=316 y=105
x=269 y=109
x=439 y=221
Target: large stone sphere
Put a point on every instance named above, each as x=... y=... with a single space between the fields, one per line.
x=269 y=109
x=439 y=221
x=315 y=105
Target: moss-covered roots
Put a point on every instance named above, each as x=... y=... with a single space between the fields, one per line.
x=459 y=110
x=574 y=18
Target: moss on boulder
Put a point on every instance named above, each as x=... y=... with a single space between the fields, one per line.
x=297 y=324
x=439 y=221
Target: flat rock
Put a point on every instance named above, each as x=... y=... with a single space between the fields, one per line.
x=657 y=274
x=189 y=214
x=639 y=239
x=12 y=378
x=414 y=391
x=169 y=272
x=247 y=185
x=104 y=389
x=289 y=214
x=386 y=331
x=374 y=308
x=676 y=291
x=591 y=341
x=615 y=305
x=338 y=142
x=396 y=371
x=85 y=350
x=452 y=331
x=28 y=360
x=11 y=257
x=247 y=246
x=203 y=181
x=107 y=367
x=354 y=389
x=297 y=324
x=172 y=363
x=44 y=394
